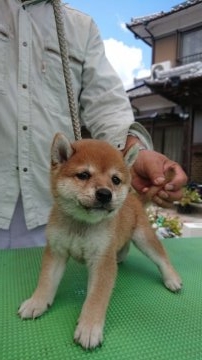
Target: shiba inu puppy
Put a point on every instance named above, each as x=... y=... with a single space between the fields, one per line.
x=93 y=219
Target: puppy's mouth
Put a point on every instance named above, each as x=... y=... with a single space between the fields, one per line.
x=98 y=207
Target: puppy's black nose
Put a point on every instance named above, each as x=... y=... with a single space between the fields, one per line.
x=103 y=195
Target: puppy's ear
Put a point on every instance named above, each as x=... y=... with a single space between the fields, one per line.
x=61 y=149
x=131 y=155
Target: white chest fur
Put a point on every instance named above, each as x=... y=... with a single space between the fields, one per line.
x=82 y=242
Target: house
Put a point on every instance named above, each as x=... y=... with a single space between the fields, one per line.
x=169 y=102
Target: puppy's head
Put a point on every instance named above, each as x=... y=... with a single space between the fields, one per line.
x=90 y=179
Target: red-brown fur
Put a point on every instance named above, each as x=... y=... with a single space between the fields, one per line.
x=92 y=230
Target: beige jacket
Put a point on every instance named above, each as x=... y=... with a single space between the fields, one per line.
x=33 y=101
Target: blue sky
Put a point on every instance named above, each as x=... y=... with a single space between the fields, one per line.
x=110 y=16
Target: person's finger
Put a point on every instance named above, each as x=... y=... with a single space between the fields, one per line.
x=162 y=198
x=156 y=174
x=162 y=202
x=179 y=178
x=150 y=165
x=168 y=176
x=170 y=196
x=154 y=190
x=139 y=183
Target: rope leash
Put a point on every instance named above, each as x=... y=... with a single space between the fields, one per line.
x=57 y=7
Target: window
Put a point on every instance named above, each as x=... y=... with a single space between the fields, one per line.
x=191 y=46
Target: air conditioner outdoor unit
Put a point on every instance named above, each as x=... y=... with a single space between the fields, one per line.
x=162 y=66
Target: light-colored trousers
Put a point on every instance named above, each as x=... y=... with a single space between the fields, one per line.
x=18 y=236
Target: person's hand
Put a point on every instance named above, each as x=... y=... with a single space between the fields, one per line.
x=155 y=177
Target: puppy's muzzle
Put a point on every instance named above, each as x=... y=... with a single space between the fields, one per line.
x=103 y=195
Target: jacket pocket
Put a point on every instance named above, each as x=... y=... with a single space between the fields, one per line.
x=4 y=43
x=54 y=88
x=53 y=79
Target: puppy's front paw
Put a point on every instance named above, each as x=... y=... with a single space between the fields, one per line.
x=173 y=281
x=88 y=335
x=32 y=308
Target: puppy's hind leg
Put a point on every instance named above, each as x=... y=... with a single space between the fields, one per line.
x=146 y=241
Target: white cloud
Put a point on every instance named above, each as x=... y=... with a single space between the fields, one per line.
x=126 y=60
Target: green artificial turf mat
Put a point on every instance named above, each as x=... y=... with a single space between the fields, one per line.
x=144 y=320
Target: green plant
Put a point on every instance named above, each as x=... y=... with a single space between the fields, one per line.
x=174 y=225
x=165 y=225
x=190 y=195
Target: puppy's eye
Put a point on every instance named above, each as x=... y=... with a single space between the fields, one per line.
x=116 y=180
x=85 y=175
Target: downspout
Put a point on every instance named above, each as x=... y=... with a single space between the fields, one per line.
x=152 y=37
